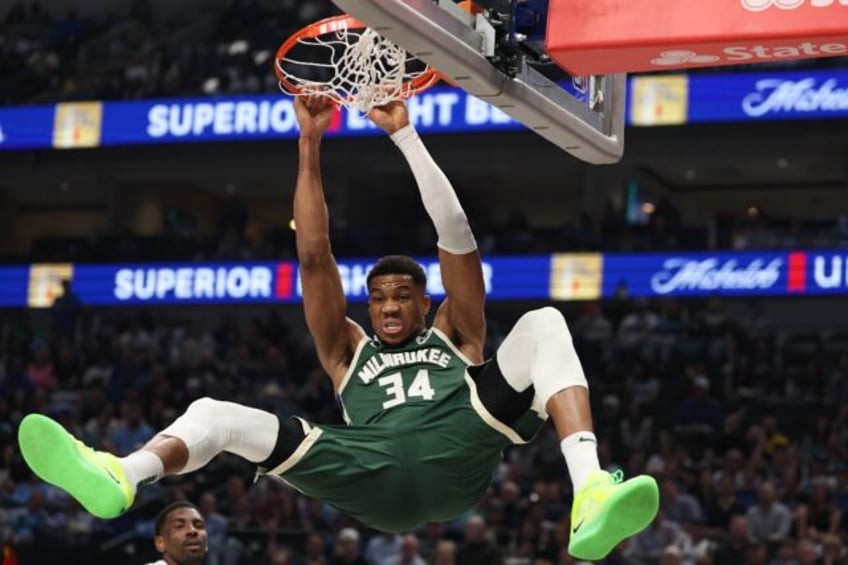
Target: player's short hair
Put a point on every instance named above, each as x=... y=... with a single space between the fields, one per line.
x=162 y=517
x=398 y=265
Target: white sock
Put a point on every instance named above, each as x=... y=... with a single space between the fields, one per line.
x=142 y=467
x=581 y=456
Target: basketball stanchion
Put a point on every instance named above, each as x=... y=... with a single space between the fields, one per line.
x=470 y=47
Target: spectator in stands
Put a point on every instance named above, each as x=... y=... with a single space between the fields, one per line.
x=785 y=554
x=222 y=549
x=680 y=507
x=805 y=553
x=721 y=508
x=636 y=330
x=774 y=438
x=699 y=415
x=734 y=549
x=409 y=554
x=314 y=550
x=430 y=536
x=637 y=430
x=33 y=528
x=39 y=372
x=382 y=547
x=769 y=521
x=445 y=553
x=347 y=548
x=833 y=550
x=133 y=431
x=280 y=556
x=819 y=517
x=732 y=443
x=475 y=548
x=648 y=546
x=593 y=332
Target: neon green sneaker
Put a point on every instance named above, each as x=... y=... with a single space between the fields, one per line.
x=95 y=478
x=607 y=511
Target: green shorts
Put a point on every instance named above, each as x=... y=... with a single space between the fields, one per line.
x=424 y=465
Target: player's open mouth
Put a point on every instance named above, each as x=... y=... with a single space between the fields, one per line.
x=392 y=328
x=194 y=544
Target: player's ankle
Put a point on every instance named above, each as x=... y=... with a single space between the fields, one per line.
x=142 y=467
x=581 y=456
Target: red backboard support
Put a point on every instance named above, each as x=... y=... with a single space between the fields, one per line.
x=613 y=36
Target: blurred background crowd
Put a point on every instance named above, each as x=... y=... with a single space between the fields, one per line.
x=180 y=238
x=740 y=409
x=137 y=49
x=743 y=422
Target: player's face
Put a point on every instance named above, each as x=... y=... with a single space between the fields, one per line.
x=183 y=540
x=397 y=307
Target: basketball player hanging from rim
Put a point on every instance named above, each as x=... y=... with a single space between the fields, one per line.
x=427 y=417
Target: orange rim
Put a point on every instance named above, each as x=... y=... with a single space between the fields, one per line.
x=330 y=25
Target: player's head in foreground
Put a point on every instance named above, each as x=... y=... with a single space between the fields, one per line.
x=397 y=300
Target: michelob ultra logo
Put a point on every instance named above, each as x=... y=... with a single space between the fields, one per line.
x=712 y=274
x=805 y=96
x=760 y=5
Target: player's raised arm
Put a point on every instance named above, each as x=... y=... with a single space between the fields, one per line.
x=323 y=298
x=461 y=314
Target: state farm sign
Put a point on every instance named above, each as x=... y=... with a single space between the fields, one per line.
x=610 y=36
x=760 y=5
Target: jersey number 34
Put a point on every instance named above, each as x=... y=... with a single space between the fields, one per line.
x=419 y=387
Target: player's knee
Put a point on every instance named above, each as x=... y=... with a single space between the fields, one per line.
x=546 y=321
x=547 y=315
x=204 y=409
x=199 y=429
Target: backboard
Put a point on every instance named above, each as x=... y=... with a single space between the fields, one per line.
x=582 y=115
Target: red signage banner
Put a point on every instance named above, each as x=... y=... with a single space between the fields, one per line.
x=612 y=36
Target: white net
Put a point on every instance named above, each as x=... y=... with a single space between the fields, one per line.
x=356 y=68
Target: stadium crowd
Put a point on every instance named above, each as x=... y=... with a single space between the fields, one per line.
x=218 y=48
x=744 y=424
x=746 y=428
x=237 y=237
x=135 y=51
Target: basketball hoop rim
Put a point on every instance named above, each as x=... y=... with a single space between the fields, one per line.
x=342 y=21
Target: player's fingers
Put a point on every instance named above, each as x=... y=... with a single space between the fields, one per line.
x=324 y=102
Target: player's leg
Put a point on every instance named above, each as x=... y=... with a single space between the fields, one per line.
x=105 y=485
x=539 y=353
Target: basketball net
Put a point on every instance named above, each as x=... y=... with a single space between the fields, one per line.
x=351 y=64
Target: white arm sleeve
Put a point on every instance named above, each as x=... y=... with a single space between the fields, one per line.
x=437 y=194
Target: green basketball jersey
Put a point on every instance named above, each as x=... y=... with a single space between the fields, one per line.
x=401 y=385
